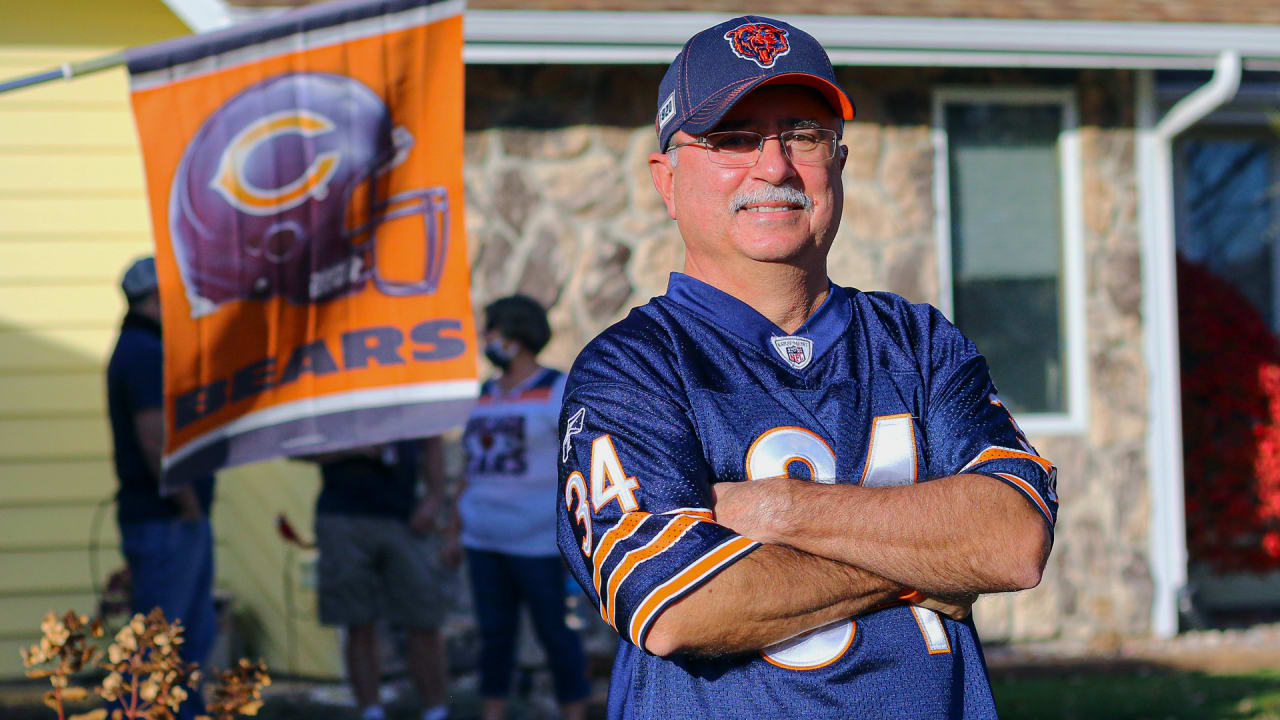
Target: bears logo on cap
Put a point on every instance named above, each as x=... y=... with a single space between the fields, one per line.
x=761 y=43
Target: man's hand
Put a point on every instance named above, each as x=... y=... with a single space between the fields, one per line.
x=451 y=550
x=756 y=509
x=423 y=519
x=189 y=509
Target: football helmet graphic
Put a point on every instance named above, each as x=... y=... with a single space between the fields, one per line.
x=283 y=190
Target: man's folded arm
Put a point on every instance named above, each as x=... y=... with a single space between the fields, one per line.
x=767 y=596
x=960 y=534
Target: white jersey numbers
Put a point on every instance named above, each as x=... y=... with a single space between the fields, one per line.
x=770 y=456
x=609 y=483
x=576 y=489
x=774 y=451
x=891 y=452
x=891 y=460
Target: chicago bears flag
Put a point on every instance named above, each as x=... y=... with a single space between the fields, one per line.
x=305 y=179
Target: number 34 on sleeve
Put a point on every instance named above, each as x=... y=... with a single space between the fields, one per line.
x=609 y=483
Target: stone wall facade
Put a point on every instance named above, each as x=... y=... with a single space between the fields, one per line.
x=560 y=206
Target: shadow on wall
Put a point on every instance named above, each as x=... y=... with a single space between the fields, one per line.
x=60 y=541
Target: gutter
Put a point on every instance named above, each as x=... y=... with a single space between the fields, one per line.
x=1168 y=536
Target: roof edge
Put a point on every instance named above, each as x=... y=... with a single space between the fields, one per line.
x=635 y=37
x=550 y=36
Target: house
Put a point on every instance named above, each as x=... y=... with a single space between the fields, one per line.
x=1030 y=167
x=73 y=214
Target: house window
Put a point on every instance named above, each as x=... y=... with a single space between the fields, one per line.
x=1008 y=230
x=1226 y=197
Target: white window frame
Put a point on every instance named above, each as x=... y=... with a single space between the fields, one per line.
x=1074 y=420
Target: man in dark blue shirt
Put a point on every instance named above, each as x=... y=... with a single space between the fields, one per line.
x=380 y=560
x=782 y=493
x=167 y=540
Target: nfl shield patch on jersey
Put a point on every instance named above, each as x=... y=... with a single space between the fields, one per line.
x=797 y=351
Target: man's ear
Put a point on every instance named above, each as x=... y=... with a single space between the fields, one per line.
x=664 y=180
x=843 y=152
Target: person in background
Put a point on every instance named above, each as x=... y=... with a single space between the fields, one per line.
x=167 y=540
x=506 y=512
x=379 y=559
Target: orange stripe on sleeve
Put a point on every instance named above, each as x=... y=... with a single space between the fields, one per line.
x=690 y=576
x=1001 y=453
x=665 y=539
x=625 y=528
x=1031 y=492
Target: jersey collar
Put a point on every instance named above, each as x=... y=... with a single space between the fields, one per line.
x=798 y=350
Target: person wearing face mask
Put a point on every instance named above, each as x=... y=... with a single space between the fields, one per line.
x=506 y=518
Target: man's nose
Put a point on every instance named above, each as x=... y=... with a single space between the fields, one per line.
x=774 y=165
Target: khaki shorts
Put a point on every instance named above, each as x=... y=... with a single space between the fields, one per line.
x=375 y=567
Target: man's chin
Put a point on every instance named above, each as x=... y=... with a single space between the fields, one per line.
x=790 y=252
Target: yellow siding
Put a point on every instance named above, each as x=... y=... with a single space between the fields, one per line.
x=79 y=218
x=30 y=394
x=48 y=483
x=85 y=259
x=73 y=213
x=15 y=629
x=251 y=498
x=54 y=349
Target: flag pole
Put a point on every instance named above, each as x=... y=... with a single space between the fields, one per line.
x=66 y=71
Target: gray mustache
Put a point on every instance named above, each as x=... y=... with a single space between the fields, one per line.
x=770 y=194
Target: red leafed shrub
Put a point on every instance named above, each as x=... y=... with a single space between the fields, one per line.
x=1230 y=425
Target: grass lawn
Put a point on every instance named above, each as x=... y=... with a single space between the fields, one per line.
x=1158 y=695
x=1122 y=693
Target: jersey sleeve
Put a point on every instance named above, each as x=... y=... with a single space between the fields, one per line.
x=971 y=431
x=634 y=518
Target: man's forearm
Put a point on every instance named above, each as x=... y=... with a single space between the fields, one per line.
x=773 y=594
x=967 y=533
x=432 y=468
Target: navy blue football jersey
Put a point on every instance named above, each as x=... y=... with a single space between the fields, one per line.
x=697 y=388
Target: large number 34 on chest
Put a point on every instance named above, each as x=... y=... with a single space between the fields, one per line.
x=891 y=460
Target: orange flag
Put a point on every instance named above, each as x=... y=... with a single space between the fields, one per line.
x=305 y=179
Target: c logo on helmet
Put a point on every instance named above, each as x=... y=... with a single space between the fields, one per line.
x=240 y=192
x=761 y=43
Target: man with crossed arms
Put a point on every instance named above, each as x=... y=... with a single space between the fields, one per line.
x=782 y=493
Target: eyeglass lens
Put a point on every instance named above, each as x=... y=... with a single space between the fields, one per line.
x=742 y=147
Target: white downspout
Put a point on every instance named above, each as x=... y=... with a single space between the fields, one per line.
x=1168 y=536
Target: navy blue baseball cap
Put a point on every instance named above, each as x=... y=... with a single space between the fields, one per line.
x=721 y=64
x=140 y=280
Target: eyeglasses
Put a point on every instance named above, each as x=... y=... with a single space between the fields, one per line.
x=742 y=148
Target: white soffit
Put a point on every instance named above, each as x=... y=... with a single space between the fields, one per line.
x=530 y=36
x=592 y=37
